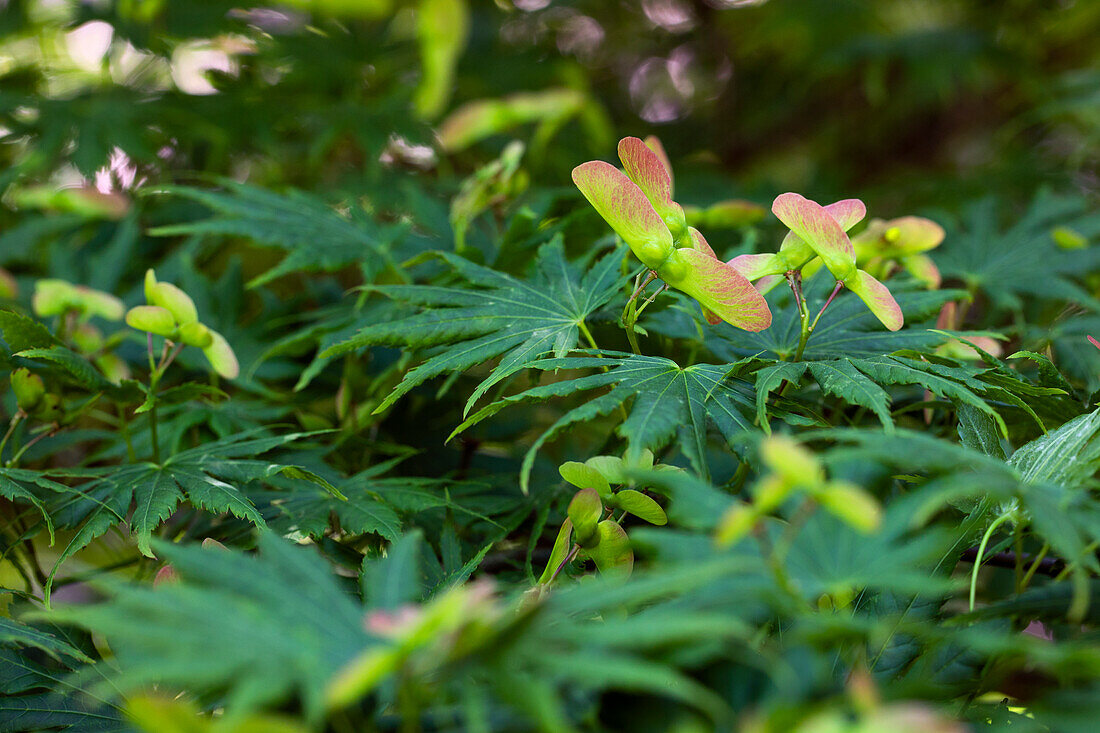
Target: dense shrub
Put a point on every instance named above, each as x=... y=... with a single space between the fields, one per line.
x=442 y=365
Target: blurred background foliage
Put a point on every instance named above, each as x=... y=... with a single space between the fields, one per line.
x=270 y=157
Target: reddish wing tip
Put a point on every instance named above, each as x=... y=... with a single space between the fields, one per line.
x=654 y=143
x=815 y=226
x=645 y=168
x=724 y=291
x=1093 y=341
x=622 y=205
x=878 y=299
x=700 y=243
x=847 y=212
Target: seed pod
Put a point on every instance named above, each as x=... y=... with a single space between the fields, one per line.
x=737 y=522
x=220 y=355
x=28 y=388
x=854 y=506
x=584 y=476
x=584 y=512
x=641 y=506
x=49 y=408
x=9 y=288
x=791 y=461
x=176 y=302
x=612 y=553
x=152 y=319
x=770 y=492
x=150 y=284
x=195 y=334
x=52 y=297
x=97 y=303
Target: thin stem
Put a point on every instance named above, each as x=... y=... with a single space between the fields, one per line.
x=155 y=372
x=630 y=314
x=15 y=420
x=650 y=277
x=1018 y=544
x=790 y=532
x=832 y=295
x=803 y=337
x=592 y=341
x=649 y=300
x=807 y=327
x=1091 y=547
x=1035 y=566
x=15 y=459
x=794 y=279
x=166 y=362
x=768 y=553
x=587 y=335
x=565 y=561
x=152 y=358
x=981 y=551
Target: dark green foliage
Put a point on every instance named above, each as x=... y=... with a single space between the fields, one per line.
x=432 y=483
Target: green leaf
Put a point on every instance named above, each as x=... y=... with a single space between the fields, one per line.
x=210 y=476
x=316 y=237
x=51 y=711
x=641 y=506
x=584 y=476
x=82 y=371
x=395 y=580
x=843 y=379
x=279 y=620
x=22 y=333
x=1026 y=263
x=13 y=632
x=847 y=329
x=516 y=320
x=358 y=512
x=1066 y=456
x=612 y=554
x=955 y=383
x=670 y=403
x=978 y=431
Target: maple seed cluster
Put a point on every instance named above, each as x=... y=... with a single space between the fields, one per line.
x=172 y=314
x=637 y=203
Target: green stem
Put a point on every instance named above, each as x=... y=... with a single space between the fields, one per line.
x=1018 y=541
x=803 y=337
x=807 y=326
x=981 y=553
x=15 y=459
x=592 y=342
x=821 y=312
x=649 y=300
x=1034 y=566
x=630 y=312
x=565 y=561
x=587 y=335
x=154 y=380
x=15 y=420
